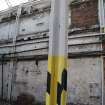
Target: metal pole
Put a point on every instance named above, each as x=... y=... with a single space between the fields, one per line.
x=14 y=60
x=57 y=61
x=102 y=30
x=2 y=88
x=101 y=15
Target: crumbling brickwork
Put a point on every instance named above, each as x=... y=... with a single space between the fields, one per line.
x=84 y=14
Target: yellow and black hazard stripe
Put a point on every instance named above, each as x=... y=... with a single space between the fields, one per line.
x=62 y=89
x=56 y=81
x=48 y=82
x=48 y=88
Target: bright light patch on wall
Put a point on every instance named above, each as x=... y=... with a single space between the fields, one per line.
x=4 y=3
x=17 y=2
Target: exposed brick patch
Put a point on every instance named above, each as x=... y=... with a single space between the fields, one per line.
x=84 y=14
x=25 y=99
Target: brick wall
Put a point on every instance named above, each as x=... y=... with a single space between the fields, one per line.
x=84 y=14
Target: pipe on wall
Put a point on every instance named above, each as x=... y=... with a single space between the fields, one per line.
x=2 y=80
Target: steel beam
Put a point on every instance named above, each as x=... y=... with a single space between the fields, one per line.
x=57 y=59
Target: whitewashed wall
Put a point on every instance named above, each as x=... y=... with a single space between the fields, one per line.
x=84 y=80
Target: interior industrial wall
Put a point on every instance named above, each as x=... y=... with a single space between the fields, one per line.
x=23 y=64
x=84 y=80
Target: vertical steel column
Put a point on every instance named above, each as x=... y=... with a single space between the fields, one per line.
x=102 y=30
x=2 y=88
x=14 y=60
x=101 y=15
x=57 y=60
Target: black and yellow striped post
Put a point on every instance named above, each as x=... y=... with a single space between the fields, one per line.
x=57 y=61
